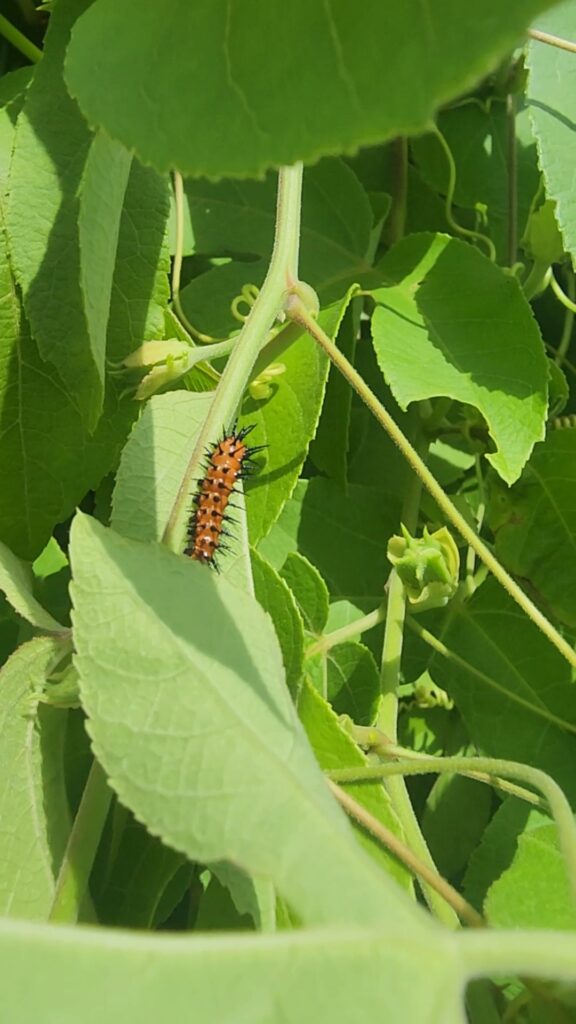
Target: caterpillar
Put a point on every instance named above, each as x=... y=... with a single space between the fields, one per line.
x=228 y=461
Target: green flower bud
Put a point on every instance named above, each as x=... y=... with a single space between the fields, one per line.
x=428 y=566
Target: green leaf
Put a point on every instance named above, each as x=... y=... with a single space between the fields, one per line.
x=535 y=526
x=309 y=590
x=16 y=580
x=353 y=682
x=34 y=813
x=286 y=422
x=101 y=192
x=191 y=719
x=523 y=708
x=140 y=288
x=273 y=105
x=344 y=535
x=340 y=975
x=51 y=148
x=534 y=891
x=217 y=911
x=142 y=870
x=275 y=597
x=496 y=849
x=334 y=748
x=451 y=323
x=47 y=460
x=457 y=811
x=552 y=105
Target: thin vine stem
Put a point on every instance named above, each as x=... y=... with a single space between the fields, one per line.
x=19 y=41
x=83 y=842
x=348 y=632
x=299 y=314
x=282 y=274
x=539 y=780
x=429 y=877
x=177 y=261
x=558 y=41
x=475 y=236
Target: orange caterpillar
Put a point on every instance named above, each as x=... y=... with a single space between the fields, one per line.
x=228 y=462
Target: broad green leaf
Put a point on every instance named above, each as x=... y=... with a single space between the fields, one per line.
x=47 y=460
x=217 y=911
x=345 y=535
x=534 y=891
x=286 y=421
x=275 y=597
x=456 y=813
x=451 y=323
x=140 y=288
x=353 y=682
x=309 y=590
x=524 y=706
x=477 y=135
x=272 y=105
x=142 y=870
x=16 y=580
x=341 y=975
x=552 y=105
x=34 y=817
x=153 y=463
x=50 y=561
x=495 y=852
x=535 y=526
x=101 y=193
x=309 y=975
x=51 y=148
x=182 y=680
x=334 y=748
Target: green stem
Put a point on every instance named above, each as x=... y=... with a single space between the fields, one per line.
x=566 y=336
x=81 y=848
x=18 y=40
x=370 y=738
x=299 y=314
x=353 y=629
x=474 y=236
x=387 y=719
x=512 y=178
x=282 y=274
x=539 y=780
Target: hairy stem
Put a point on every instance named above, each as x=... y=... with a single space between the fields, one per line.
x=282 y=273
x=539 y=780
x=429 y=877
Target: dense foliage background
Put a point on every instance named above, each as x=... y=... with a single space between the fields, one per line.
x=167 y=732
